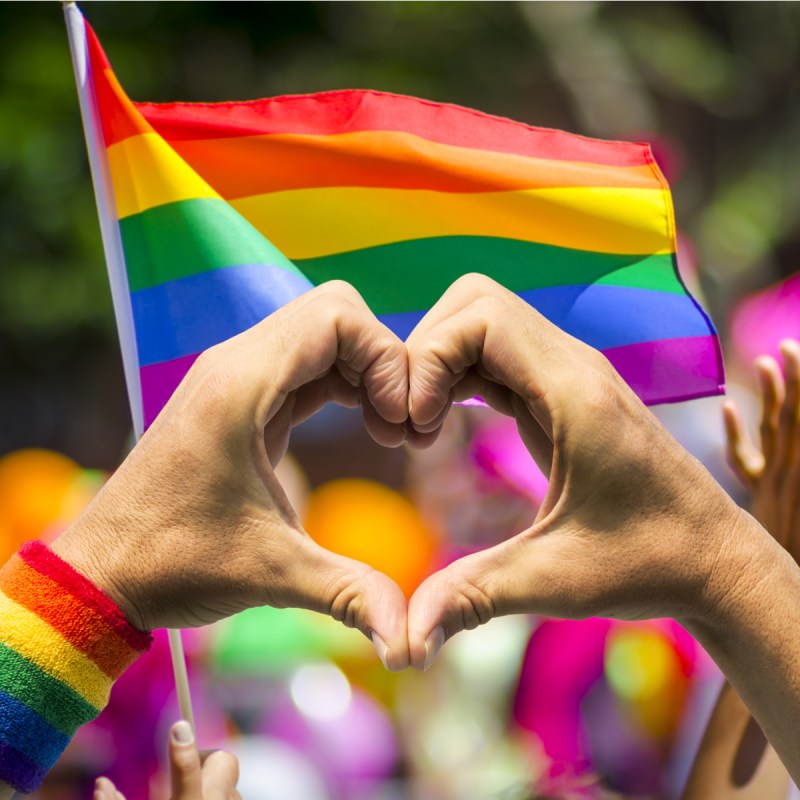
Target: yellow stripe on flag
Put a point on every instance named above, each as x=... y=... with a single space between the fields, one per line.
x=147 y=172
x=309 y=223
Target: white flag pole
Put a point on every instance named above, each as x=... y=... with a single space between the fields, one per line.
x=106 y=210
x=117 y=276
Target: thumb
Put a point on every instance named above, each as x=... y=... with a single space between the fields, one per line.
x=460 y=596
x=505 y=579
x=184 y=763
x=357 y=595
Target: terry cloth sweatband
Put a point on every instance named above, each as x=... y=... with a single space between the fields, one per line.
x=63 y=643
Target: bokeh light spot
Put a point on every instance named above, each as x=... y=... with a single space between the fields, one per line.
x=321 y=691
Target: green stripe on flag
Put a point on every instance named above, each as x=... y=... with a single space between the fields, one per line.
x=422 y=269
x=189 y=237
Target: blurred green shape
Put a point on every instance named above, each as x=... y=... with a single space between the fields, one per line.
x=269 y=641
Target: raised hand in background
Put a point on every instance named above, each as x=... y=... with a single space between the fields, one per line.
x=734 y=760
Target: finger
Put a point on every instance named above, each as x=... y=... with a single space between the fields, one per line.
x=770 y=379
x=386 y=434
x=744 y=458
x=184 y=763
x=461 y=293
x=104 y=789
x=220 y=774
x=512 y=344
x=304 y=403
x=356 y=595
x=300 y=342
x=790 y=408
x=467 y=593
x=368 y=349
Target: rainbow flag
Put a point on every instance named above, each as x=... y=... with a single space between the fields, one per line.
x=223 y=212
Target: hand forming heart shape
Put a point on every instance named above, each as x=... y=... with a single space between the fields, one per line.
x=194 y=526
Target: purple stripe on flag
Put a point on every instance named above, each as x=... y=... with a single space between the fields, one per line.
x=670 y=370
x=159 y=381
x=663 y=371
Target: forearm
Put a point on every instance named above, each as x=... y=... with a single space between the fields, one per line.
x=750 y=628
x=734 y=759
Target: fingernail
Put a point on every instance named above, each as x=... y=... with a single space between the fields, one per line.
x=182 y=733
x=381 y=648
x=104 y=789
x=433 y=644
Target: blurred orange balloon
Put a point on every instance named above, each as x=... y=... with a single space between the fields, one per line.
x=35 y=486
x=370 y=522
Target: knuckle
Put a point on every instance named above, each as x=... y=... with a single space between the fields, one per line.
x=473 y=606
x=339 y=285
x=488 y=306
x=185 y=761
x=474 y=282
x=328 y=306
x=339 y=289
x=346 y=599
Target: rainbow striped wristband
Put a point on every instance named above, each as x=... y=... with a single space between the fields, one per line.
x=63 y=642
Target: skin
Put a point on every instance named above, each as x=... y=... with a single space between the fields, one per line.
x=211 y=776
x=198 y=495
x=735 y=760
x=631 y=527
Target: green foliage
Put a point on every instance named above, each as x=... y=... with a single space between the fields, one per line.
x=715 y=81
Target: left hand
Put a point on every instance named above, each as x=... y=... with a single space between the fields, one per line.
x=194 y=526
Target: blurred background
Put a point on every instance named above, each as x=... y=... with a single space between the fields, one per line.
x=525 y=707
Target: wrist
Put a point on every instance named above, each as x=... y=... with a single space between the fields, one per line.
x=63 y=642
x=746 y=558
x=92 y=547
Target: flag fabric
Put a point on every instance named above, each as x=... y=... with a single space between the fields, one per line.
x=227 y=211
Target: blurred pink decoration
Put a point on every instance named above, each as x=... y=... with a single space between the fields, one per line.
x=761 y=321
x=141 y=708
x=498 y=450
x=562 y=698
x=355 y=750
x=668 y=153
x=564 y=659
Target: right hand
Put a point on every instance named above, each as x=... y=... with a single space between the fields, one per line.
x=631 y=525
x=194 y=526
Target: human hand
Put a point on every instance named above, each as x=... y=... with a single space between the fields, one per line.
x=630 y=525
x=771 y=473
x=194 y=526
x=192 y=777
